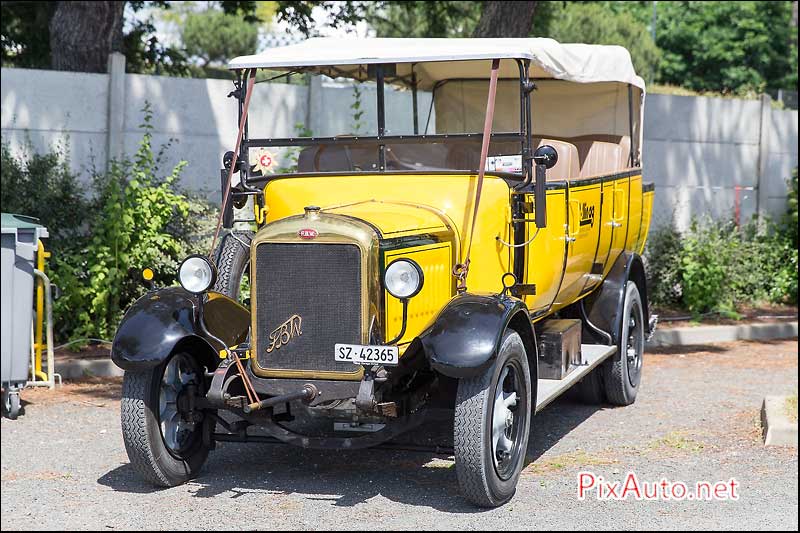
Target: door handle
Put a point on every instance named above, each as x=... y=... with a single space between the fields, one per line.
x=571 y=235
x=617 y=218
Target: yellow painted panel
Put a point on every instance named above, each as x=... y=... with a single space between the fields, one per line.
x=544 y=257
x=393 y=219
x=583 y=230
x=606 y=227
x=450 y=195
x=647 y=213
x=619 y=190
x=635 y=214
x=436 y=290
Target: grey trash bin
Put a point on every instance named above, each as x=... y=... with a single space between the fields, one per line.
x=20 y=235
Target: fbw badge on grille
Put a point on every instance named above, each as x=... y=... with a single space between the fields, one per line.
x=293 y=327
x=308 y=233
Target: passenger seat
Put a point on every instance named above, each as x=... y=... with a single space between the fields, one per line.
x=568 y=165
x=602 y=154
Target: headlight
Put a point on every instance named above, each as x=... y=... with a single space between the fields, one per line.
x=197 y=274
x=403 y=278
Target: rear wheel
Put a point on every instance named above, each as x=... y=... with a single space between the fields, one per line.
x=492 y=424
x=163 y=433
x=623 y=373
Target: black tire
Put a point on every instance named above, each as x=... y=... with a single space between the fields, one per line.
x=232 y=258
x=482 y=481
x=142 y=434
x=622 y=373
x=589 y=390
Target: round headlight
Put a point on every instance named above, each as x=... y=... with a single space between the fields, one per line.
x=196 y=274
x=403 y=278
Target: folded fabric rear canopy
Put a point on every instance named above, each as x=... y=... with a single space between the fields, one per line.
x=434 y=60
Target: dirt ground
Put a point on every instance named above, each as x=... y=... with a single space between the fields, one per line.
x=696 y=419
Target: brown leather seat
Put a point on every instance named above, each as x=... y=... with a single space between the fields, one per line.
x=602 y=154
x=568 y=166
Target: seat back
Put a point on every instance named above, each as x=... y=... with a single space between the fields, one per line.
x=568 y=166
x=602 y=154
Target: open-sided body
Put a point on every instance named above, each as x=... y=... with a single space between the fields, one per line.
x=357 y=328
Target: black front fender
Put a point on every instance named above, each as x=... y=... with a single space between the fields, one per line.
x=463 y=340
x=158 y=321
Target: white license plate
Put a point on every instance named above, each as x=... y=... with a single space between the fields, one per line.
x=366 y=355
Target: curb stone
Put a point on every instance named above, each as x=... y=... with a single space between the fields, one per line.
x=778 y=429
x=689 y=335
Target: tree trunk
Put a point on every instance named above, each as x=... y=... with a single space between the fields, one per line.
x=505 y=19
x=83 y=34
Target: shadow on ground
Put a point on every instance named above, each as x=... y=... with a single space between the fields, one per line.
x=347 y=478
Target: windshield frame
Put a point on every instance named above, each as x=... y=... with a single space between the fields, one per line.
x=249 y=180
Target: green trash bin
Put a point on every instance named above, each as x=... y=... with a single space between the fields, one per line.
x=20 y=236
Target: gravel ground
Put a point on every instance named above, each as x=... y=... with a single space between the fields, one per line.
x=64 y=465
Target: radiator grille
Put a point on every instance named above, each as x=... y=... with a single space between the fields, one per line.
x=322 y=284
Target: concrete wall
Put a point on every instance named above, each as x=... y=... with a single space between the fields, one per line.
x=697 y=150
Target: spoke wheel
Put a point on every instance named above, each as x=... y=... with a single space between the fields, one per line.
x=167 y=441
x=179 y=380
x=505 y=426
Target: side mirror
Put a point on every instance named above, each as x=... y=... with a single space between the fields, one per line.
x=545 y=155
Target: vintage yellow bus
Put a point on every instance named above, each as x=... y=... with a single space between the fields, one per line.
x=470 y=260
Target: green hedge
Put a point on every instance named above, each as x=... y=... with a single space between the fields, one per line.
x=718 y=267
x=131 y=217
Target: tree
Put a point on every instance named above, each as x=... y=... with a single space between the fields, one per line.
x=423 y=19
x=83 y=34
x=25 y=33
x=505 y=19
x=736 y=47
x=596 y=23
x=215 y=36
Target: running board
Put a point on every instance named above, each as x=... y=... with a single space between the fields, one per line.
x=550 y=389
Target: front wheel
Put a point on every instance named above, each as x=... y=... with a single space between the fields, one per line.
x=163 y=434
x=492 y=424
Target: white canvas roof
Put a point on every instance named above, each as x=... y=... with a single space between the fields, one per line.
x=439 y=59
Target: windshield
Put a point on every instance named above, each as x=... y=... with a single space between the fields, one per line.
x=374 y=125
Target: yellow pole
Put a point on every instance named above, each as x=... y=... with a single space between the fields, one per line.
x=40 y=257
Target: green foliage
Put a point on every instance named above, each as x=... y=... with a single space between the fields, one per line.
x=25 y=33
x=664 y=248
x=715 y=266
x=702 y=265
x=145 y=54
x=136 y=218
x=42 y=186
x=598 y=23
x=423 y=19
x=790 y=221
x=215 y=36
x=737 y=47
x=358 y=111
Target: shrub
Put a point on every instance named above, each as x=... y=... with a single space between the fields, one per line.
x=135 y=218
x=717 y=267
x=42 y=186
x=664 y=284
